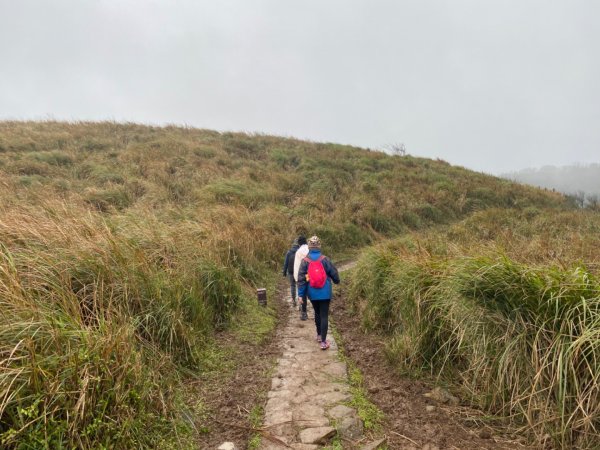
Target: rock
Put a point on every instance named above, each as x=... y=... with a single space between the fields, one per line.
x=340 y=411
x=227 y=446
x=304 y=446
x=430 y=447
x=331 y=398
x=351 y=428
x=373 y=390
x=430 y=408
x=374 y=445
x=442 y=396
x=319 y=435
x=308 y=415
x=485 y=434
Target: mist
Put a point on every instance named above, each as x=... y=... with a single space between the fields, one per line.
x=576 y=179
x=494 y=86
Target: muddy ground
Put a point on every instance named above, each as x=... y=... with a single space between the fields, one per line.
x=408 y=424
x=229 y=401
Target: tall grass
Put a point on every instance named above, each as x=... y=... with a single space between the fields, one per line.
x=94 y=326
x=522 y=340
x=124 y=248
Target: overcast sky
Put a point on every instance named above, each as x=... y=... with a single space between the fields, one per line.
x=493 y=85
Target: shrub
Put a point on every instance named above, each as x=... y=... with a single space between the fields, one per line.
x=104 y=200
x=205 y=152
x=411 y=220
x=285 y=159
x=522 y=341
x=31 y=180
x=31 y=168
x=430 y=213
x=242 y=148
x=93 y=145
x=54 y=158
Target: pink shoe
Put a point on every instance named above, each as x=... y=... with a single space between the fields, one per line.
x=318 y=338
x=324 y=345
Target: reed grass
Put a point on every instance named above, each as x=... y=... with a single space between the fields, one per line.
x=125 y=248
x=521 y=339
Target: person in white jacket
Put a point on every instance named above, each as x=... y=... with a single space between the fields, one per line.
x=301 y=253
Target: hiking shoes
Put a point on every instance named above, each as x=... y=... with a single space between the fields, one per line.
x=303 y=316
x=318 y=338
x=324 y=345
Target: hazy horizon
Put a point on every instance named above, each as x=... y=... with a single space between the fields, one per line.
x=493 y=86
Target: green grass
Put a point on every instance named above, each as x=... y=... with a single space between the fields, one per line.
x=521 y=339
x=125 y=248
x=366 y=410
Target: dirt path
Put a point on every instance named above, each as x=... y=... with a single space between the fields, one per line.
x=305 y=394
x=414 y=420
x=307 y=390
x=230 y=396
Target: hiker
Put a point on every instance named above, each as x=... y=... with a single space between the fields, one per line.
x=314 y=280
x=301 y=253
x=288 y=268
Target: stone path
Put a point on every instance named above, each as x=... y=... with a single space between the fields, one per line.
x=305 y=404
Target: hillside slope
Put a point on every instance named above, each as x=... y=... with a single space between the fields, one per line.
x=504 y=307
x=123 y=248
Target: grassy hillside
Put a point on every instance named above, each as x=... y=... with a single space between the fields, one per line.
x=505 y=305
x=124 y=248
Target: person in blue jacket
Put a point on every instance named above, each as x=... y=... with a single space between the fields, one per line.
x=319 y=297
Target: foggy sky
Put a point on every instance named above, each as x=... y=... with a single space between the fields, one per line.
x=493 y=85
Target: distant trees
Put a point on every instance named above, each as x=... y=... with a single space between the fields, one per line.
x=593 y=202
x=580 y=183
x=582 y=200
x=396 y=149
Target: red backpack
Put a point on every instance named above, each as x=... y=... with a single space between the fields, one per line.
x=316 y=275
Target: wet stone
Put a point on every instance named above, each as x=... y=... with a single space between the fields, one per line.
x=306 y=381
x=351 y=428
x=340 y=411
x=319 y=435
x=374 y=445
x=227 y=446
x=337 y=369
x=331 y=398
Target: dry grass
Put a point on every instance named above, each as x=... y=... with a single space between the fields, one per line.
x=492 y=306
x=124 y=247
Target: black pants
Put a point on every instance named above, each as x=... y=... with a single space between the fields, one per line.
x=304 y=302
x=321 y=308
x=292 y=285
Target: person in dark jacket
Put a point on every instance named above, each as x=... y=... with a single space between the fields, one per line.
x=288 y=268
x=319 y=297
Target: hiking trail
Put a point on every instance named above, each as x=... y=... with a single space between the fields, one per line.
x=308 y=390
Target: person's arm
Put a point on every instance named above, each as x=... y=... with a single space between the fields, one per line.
x=286 y=262
x=332 y=272
x=302 y=279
